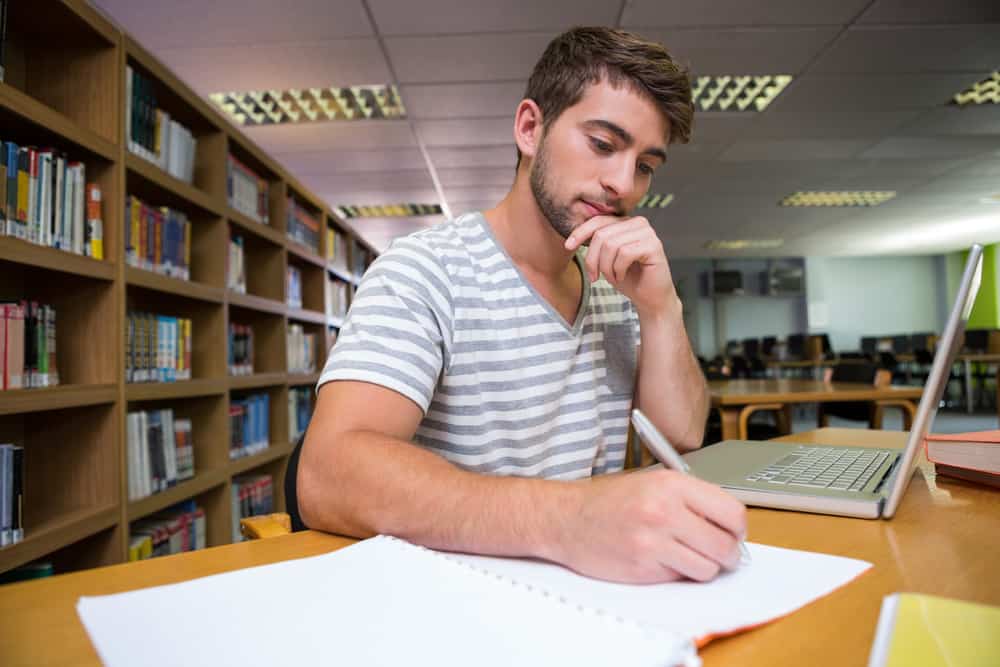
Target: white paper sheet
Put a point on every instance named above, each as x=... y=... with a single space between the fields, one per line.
x=386 y=602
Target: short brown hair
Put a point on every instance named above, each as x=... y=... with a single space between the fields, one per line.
x=587 y=55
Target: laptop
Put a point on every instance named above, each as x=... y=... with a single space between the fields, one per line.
x=861 y=481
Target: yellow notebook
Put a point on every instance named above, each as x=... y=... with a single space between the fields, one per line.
x=926 y=631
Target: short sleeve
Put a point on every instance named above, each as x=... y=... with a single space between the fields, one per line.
x=397 y=331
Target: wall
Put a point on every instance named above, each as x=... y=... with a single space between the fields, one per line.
x=986 y=311
x=851 y=297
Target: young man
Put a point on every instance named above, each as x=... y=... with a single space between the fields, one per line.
x=482 y=383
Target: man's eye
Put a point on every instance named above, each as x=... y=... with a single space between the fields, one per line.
x=601 y=146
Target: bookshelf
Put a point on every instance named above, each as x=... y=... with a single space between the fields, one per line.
x=77 y=507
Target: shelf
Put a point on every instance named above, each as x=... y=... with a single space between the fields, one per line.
x=298 y=379
x=43 y=116
x=187 y=288
x=340 y=273
x=201 y=482
x=22 y=252
x=161 y=179
x=57 y=533
x=17 y=401
x=157 y=391
x=257 y=380
x=257 y=228
x=311 y=316
x=252 y=302
x=272 y=453
x=304 y=253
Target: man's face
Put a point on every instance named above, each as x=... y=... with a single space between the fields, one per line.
x=598 y=157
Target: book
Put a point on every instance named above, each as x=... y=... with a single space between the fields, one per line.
x=977 y=450
x=929 y=631
x=967 y=474
x=384 y=601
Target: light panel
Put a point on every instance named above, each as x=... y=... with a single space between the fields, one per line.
x=655 y=200
x=737 y=93
x=833 y=198
x=745 y=244
x=308 y=105
x=387 y=210
x=986 y=91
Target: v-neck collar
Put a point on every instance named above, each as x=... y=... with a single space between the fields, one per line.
x=581 y=312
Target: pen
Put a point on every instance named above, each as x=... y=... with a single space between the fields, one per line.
x=668 y=456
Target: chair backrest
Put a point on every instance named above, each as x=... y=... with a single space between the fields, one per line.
x=854 y=372
x=921 y=341
x=767 y=345
x=869 y=344
x=751 y=347
x=977 y=340
x=291 y=487
x=796 y=345
x=902 y=344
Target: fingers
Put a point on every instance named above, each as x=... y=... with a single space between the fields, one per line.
x=716 y=506
x=614 y=247
x=582 y=234
x=687 y=562
x=716 y=545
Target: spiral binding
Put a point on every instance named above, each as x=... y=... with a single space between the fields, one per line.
x=651 y=631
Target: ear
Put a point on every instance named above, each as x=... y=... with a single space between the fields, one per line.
x=528 y=127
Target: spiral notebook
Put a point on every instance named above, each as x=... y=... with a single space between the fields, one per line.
x=385 y=601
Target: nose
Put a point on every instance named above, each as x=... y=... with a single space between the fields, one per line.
x=618 y=179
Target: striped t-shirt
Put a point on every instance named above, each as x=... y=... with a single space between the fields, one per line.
x=507 y=386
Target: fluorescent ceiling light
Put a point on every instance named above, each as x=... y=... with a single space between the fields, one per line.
x=387 y=211
x=986 y=91
x=308 y=105
x=655 y=200
x=737 y=93
x=991 y=199
x=745 y=244
x=846 y=198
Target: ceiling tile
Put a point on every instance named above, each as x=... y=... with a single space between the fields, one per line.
x=293 y=65
x=469 y=58
x=939 y=148
x=194 y=23
x=641 y=13
x=466 y=131
x=440 y=17
x=983 y=119
x=932 y=11
x=411 y=179
x=503 y=176
x=374 y=195
x=485 y=193
x=959 y=48
x=463 y=100
x=473 y=156
x=380 y=232
x=320 y=161
x=744 y=51
x=795 y=149
x=721 y=126
x=876 y=92
x=348 y=135
x=826 y=125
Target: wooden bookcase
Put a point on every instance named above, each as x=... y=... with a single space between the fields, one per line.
x=77 y=512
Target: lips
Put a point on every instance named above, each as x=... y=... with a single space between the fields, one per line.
x=598 y=209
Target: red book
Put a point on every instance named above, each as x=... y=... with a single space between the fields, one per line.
x=979 y=450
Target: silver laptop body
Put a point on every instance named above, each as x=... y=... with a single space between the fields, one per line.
x=858 y=481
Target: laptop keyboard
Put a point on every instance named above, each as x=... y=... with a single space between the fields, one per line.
x=823 y=468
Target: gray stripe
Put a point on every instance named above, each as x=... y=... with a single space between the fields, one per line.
x=507 y=343
x=496 y=443
x=508 y=424
x=353 y=365
x=371 y=347
x=518 y=403
x=510 y=322
x=525 y=301
x=512 y=385
x=484 y=366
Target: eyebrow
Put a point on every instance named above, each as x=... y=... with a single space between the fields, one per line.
x=626 y=138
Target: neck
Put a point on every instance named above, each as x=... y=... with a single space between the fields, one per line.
x=524 y=232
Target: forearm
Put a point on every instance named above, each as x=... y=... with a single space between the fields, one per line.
x=370 y=483
x=671 y=389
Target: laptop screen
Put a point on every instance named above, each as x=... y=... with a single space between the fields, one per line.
x=937 y=381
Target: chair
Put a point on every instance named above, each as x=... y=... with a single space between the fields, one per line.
x=795 y=346
x=767 y=345
x=869 y=346
x=279 y=523
x=867 y=411
x=751 y=351
x=902 y=344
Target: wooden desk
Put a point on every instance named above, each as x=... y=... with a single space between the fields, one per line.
x=942 y=541
x=729 y=397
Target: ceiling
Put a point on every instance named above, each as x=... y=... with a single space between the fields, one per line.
x=867 y=109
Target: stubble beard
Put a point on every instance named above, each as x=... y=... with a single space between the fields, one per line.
x=557 y=214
